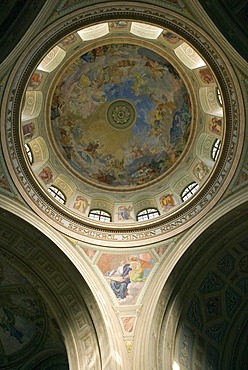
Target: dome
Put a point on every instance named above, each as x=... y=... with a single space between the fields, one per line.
x=120 y=118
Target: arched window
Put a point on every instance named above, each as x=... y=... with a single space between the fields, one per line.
x=216 y=149
x=147 y=214
x=57 y=194
x=219 y=96
x=100 y=215
x=29 y=153
x=189 y=191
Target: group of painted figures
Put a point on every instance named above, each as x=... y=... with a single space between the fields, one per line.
x=132 y=271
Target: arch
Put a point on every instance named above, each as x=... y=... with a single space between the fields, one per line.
x=32 y=105
x=172 y=285
x=48 y=358
x=94 y=32
x=66 y=185
x=78 y=318
x=204 y=148
x=40 y=152
x=26 y=249
x=189 y=56
x=52 y=59
x=145 y=30
x=217 y=299
x=210 y=101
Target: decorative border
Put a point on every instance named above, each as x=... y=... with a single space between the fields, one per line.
x=116 y=234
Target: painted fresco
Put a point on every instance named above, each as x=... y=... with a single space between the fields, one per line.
x=124 y=213
x=206 y=75
x=215 y=125
x=128 y=323
x=161 y=250
x=35 y=80
x=200 y=170
x=118 y=25
x=28 y=130
x=21 y=314
x=46 y=175
x=140 y=79
x=69 y=40
x=126 y=274
x=89 y=252
x=170 y=37
x=167 y=201
x=81 y=204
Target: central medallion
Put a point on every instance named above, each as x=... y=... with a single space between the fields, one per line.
x=121 y=114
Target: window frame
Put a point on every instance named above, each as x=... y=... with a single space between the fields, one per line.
x=29 y=153
x=147 y=214
x=219 y=97
x=189 y=191
x=57 y=194
x=215 y=149
x=100 y=215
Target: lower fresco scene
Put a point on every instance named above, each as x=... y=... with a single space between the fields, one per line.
x=126 y=274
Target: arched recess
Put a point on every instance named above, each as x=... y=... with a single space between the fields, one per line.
x=191 y=258
x=70 y=322
x=205 y=299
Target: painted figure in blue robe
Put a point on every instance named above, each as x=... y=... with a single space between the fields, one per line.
x=120 y=280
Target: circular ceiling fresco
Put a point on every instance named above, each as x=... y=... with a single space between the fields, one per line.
x=120 y=115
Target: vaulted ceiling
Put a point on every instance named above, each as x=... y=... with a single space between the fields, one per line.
x=119 y=107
